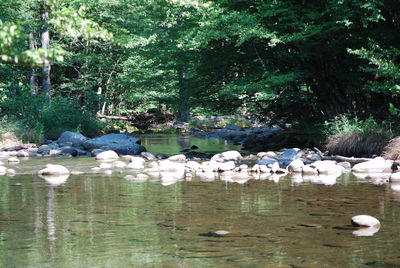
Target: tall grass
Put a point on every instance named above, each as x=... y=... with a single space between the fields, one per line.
x=351 y=136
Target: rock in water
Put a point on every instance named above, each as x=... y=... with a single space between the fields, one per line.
x=54 y=170
x=227 y=156
x=76 y=139
x=120 y=143
x=376 y=165
x=365 y=221
x=296 y=166
x=107 y=155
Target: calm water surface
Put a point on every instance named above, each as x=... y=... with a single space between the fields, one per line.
x=97 y=220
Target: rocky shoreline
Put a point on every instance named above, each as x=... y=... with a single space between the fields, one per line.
x=302 y=165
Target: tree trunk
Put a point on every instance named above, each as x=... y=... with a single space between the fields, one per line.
x=32 y=78
x=184 y=105
x=45 y=40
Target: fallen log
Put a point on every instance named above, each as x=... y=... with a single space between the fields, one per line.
x=113 y=117
x=351 y=160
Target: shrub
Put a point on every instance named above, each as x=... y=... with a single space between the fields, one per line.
x=23 y=131
x=63 y=114
x=354 y=137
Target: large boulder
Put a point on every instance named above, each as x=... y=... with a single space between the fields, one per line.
x=120 y=143
x=72 y=138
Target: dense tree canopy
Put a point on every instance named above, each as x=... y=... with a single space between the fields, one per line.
x=283 y=60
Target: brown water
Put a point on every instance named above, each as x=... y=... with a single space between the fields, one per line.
x=98 y=220
x=105 y=221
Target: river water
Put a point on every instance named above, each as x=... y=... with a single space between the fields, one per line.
x=98 y=220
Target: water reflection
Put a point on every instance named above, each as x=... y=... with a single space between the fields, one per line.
x=273 y=221
x=55 y=180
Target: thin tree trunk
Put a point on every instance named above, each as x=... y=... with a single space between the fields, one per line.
x=184 y=106
x=32 y=78
x=45 y=40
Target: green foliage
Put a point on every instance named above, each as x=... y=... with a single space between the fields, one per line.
x=26 y=133
x=284 y=61
x=345 y=124
x=65 y=115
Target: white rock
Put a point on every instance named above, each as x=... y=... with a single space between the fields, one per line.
x=193 y=166
x=138 y=159
x=95 y=169
x=274 y=167
x=227 y=156
x=327 y=167
x=107 y=155
x=54 y=170
x=178 y=158
x=221 y=232
x=243 y=167
x=13 y=160
x=225 y=166
x=264 y=169
x=296 y=166
x=376 y=165
x=365 y=221
x=135 y=165
x=268 y=154
x=119 y=164
x=2 y=163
